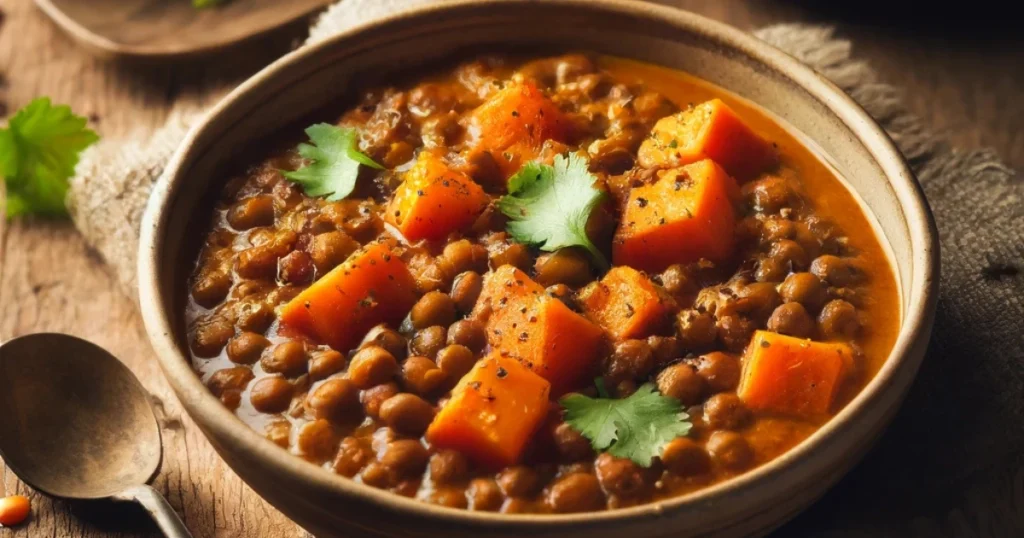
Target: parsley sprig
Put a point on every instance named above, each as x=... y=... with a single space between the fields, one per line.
x=637 y=427
x=549 y=205
x=334 y=162
x=39 y=150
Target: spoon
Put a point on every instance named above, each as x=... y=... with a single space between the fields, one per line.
x=76 y=424
x=161 y=29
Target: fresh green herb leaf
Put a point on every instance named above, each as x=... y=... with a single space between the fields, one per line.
x=637 y=427
x=38 y=153
x=549 y=205
x=201 y=4
x=334 y=162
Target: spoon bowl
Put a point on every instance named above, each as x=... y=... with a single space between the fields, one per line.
x=162 y=29
x=75 y=423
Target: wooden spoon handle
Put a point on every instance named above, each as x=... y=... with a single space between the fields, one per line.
x=154 y=503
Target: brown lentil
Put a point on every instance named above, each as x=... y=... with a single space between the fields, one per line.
x=801 y=263
x=271 y=394
x=372 y=365
x=336 y=400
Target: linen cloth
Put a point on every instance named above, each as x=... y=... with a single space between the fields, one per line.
x=952 y=462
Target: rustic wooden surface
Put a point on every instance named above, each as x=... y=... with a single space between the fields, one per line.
x=966 y=82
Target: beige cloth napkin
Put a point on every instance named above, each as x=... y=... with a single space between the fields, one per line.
x=952 y=464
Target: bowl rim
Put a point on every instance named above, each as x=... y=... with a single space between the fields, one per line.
x=921 y=297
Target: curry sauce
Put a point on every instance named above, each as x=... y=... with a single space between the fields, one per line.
x=436 y=291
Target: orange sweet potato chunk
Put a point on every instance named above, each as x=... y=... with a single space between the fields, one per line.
x=434 y=200
x=493 y=412
x=505 y=284
x=710 y=130
x=625 y=303
x=514 y=123
x=686 y=215
x=792 y=376
x=539 y=331
x=372 y=286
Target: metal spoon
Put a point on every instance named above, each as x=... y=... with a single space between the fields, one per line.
x=75 y=423
x=158 y=29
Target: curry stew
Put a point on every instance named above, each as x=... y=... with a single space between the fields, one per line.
x=675 y=291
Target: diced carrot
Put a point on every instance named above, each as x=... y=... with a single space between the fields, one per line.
x=492 y=413
x=625 y=303
x=514 y=123
x=13 y=510
x=434 y=200
x=792 y=376
x=686 y=215
x=539 y=331
x=372 y=286
x=710 y=130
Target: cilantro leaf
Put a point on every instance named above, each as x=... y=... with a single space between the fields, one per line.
x=334 y=162
x=637 y=427
x=38 y=153
x=550 y=205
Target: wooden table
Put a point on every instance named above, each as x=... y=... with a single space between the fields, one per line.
x=967 y=83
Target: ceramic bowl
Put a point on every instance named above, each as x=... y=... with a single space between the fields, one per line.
x=302 y=82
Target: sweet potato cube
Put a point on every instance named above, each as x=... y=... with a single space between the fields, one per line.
x=625 y=303
x=505 y=284
x=434 y=200
x=563 y=346
x=372 y=286
x=506 y=287
x=539 y=331
x=514 y=123
x=792 y=376
x=493 y=412
x=710 y=130
x=686 y=215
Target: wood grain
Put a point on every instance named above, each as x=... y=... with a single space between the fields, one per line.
x=49 y=281
x=154 y=29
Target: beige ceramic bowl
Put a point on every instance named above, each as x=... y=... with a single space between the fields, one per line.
x=329 y=505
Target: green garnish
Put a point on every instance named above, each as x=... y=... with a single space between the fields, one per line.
x=549 y=205
x=39 y=150
x=334 y=162
x=200 y=4
x=637 y=427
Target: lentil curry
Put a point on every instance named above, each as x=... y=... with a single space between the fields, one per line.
x=540 y=285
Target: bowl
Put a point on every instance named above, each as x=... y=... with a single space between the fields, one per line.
x=306 y=80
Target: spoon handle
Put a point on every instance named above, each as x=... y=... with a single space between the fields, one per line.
x=154 y=503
